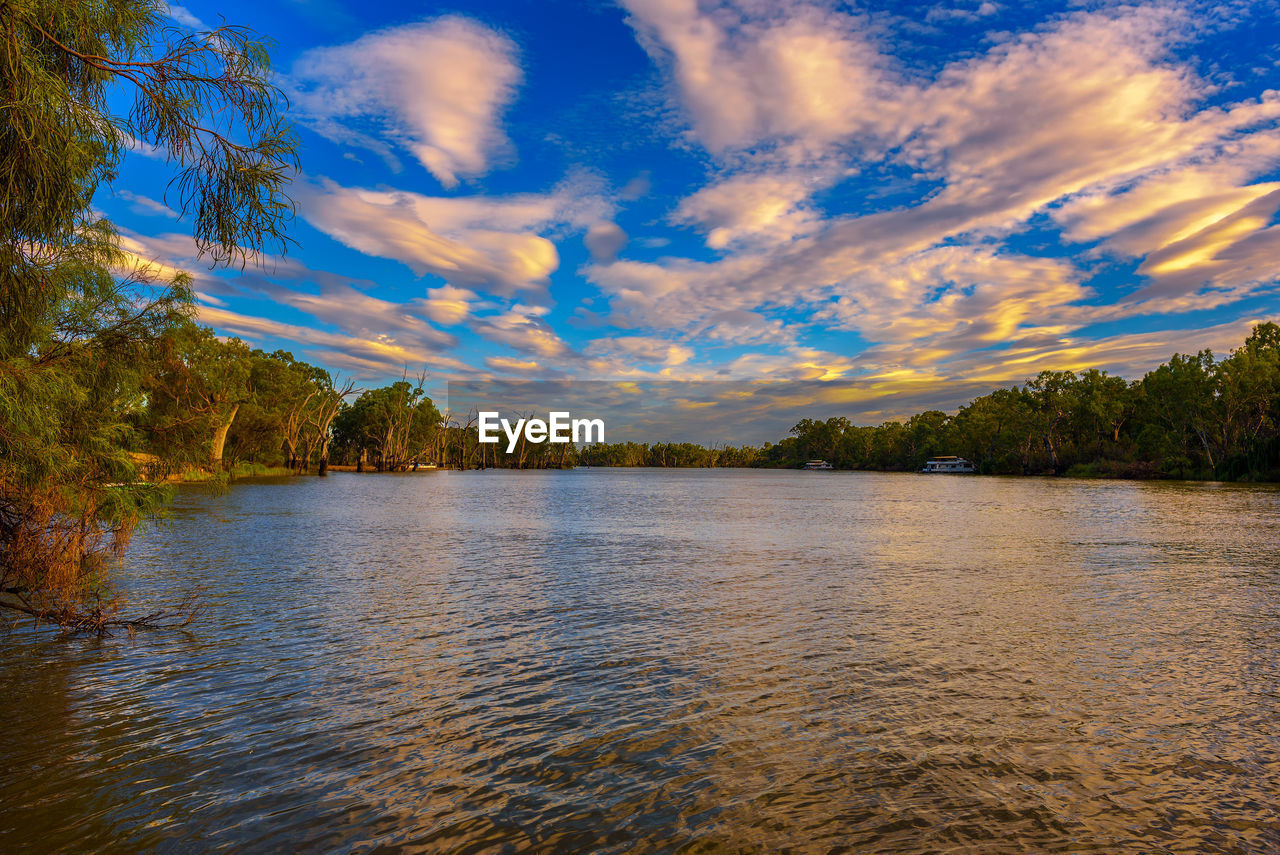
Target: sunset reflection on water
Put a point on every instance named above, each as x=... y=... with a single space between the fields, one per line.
x=620 y=660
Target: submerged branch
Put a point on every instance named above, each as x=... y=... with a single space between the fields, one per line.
x=100 y=619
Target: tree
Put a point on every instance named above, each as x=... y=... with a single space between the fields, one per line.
x=1179 y=397
x=78 y=329
x=268 y=424
x=1248 y=385
x=199 y=385
x=1050 y=394
x=925 y=434
x=321 y=417
x=396 y=424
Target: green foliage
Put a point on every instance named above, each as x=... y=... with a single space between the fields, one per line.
x=393 y=427
x=80 y=331
x=203 y=99
x=197 y=387
x=664 y=454
x=1192 y=417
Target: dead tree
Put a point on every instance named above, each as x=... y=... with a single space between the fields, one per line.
x=322 y=416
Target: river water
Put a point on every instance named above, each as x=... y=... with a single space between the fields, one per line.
x=671 y=660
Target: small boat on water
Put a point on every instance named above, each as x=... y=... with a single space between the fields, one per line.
x=949 y=465
x=818 y=465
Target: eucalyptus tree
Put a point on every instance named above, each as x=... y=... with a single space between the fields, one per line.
x=78 y=327
x=1178 y=405
x=1248 y=387
x=397 y=425
x=268 y=423
x=332 y=396
x=196 y=391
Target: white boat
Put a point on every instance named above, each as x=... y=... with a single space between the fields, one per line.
x=949 y=465
x=814 y=465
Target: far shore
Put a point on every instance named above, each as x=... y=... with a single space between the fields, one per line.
x=241 y=471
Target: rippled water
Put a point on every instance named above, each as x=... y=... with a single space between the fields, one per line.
x=644 y=660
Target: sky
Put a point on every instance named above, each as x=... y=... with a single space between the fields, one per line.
x=915 y=203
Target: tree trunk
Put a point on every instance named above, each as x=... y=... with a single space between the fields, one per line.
x=1053 y=453
x=220 y=438
x=1208 y=452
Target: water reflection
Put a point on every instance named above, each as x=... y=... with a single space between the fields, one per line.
x=680 y=661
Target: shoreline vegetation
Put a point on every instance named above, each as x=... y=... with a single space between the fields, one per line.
x=106 y=385
x=1191 y=418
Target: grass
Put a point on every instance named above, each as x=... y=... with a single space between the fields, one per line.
x=196 y=475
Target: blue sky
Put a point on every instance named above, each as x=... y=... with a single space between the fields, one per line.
x=917 y=202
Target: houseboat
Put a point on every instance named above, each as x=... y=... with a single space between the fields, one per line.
x=818 y=465
x=949 y=465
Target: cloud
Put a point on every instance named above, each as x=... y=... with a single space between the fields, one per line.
x=604 y=241
x=373 y=356
x=491 y=243
x=363 y=315
x=1087 y=122
x=955 y=298
x=751 y=208
x=374 y=335
x=1204 y=232
x=145 y=149
x=184 y=17
x=712 y=300
x=638 y=187
x=961 y=13
x=790 y=74
x=926 y=223
x=758 y=396
x=435 y=89
x=170 y=253
x=469 y=242
x=1088 y=103
x=523 y=331
x=514 y=366
x=163 y=258
x=145 y=205
x=1127 y=354
x=647 y=349
x=447 y=305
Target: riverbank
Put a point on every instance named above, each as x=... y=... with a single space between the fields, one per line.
x=1132 y=472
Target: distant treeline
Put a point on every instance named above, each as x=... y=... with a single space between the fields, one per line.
x=1193 y=417
x=665 y=454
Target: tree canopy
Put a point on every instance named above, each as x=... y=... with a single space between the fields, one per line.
x=1194 y=416
x=81 y=320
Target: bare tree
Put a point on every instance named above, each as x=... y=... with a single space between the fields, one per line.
x=323 y=414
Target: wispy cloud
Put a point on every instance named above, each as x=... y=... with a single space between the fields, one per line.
x=183 y=16
x=376 y=355
x=838 y=202
x=494 y=243
x=793 y=75
x=1088 y=122
x=145 y=205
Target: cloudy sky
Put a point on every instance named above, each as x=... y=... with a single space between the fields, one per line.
x=920 y=202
